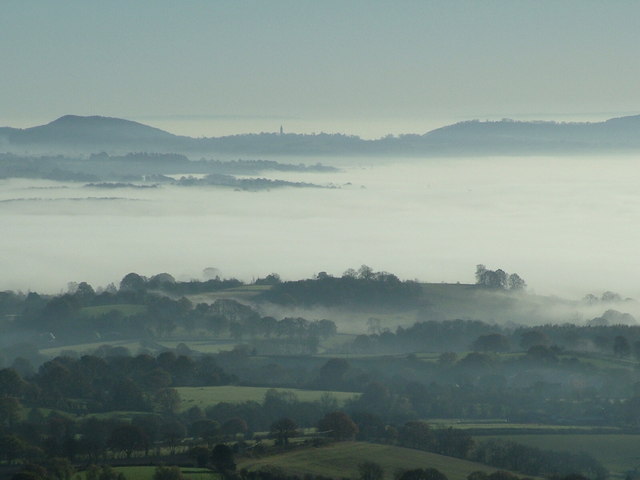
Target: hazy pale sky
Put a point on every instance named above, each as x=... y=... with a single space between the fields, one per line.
x=318 y=60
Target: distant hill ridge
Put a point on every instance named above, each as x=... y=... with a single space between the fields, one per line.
x=111 y=124
x=74 y=128
x=98 y=133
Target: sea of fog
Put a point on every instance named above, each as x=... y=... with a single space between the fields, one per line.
x=568 y=226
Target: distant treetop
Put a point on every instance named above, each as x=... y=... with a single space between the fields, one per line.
x=499 y=279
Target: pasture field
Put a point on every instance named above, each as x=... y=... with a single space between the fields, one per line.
x=206 y=347
x=337 y=342
x=341 y=460
x=500 y=425
x=81 y=348
x=600 y=360
x=245 y=292
x=211 y=346
x=206 y=396
x=617 y=452
x=121 y=415
x=146 y=473
x=428 y=356
x=597 y=360
x=126 y=309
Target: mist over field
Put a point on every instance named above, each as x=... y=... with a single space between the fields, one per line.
x=566 y=225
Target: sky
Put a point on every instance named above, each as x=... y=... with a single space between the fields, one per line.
x=249 y=65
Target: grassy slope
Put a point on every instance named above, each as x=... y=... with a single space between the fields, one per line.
x=205 y=396
x=499 y=425
x=244 y=293
x=207 y=347
x=617 y=452
x=125 y=309
x=146 y=473
x=441 y=301
x=468 y=301
x=84 y=348
x=342 y=459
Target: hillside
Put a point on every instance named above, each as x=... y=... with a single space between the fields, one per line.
x=617 y=452
x=341 y=460
x=439 y=302
x=508 y=135
x=96 y=133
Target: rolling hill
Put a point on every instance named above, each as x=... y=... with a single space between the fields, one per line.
x=341 y=460
x=504 y=137
x=94 y=133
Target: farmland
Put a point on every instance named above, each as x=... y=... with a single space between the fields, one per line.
x=619 y=453
x=245 y=292
x=146 y=473
x=187 y=374
x=342 y=459
x=205 y=396
x=124 y=309
x=90 y=347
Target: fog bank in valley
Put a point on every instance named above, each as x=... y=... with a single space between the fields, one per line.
x=567 y=225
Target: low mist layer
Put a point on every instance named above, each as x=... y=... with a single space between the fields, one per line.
x=566 y=225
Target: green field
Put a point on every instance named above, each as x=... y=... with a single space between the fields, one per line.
x=617 y=452
x=205 y=396
x=125 y=309
x=133 y=347
x=146 y=473
x=208 y=347
x=600 y=360
x=341 y=460
x=245 y=292
x=500 y=425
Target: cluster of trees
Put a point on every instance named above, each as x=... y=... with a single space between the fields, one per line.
x=140 y=309
x=497 y=453
x=363 y=288
x=95 y=439
x=277 y=473
x=251 y=416
x=426 y=336
x=95 y=384
x=535 y=461
x=166 y=283
x=530 y=387
x=546 y=381
x=498 y=279
x=92 y=438
x=517 y=387
x=370 y=470
x=619 y=339
x=152 y=167
x=476 y=387
x=221 y=459
x=60 y=468
x=125 y=312
x=251 y=184
x=445 y=441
